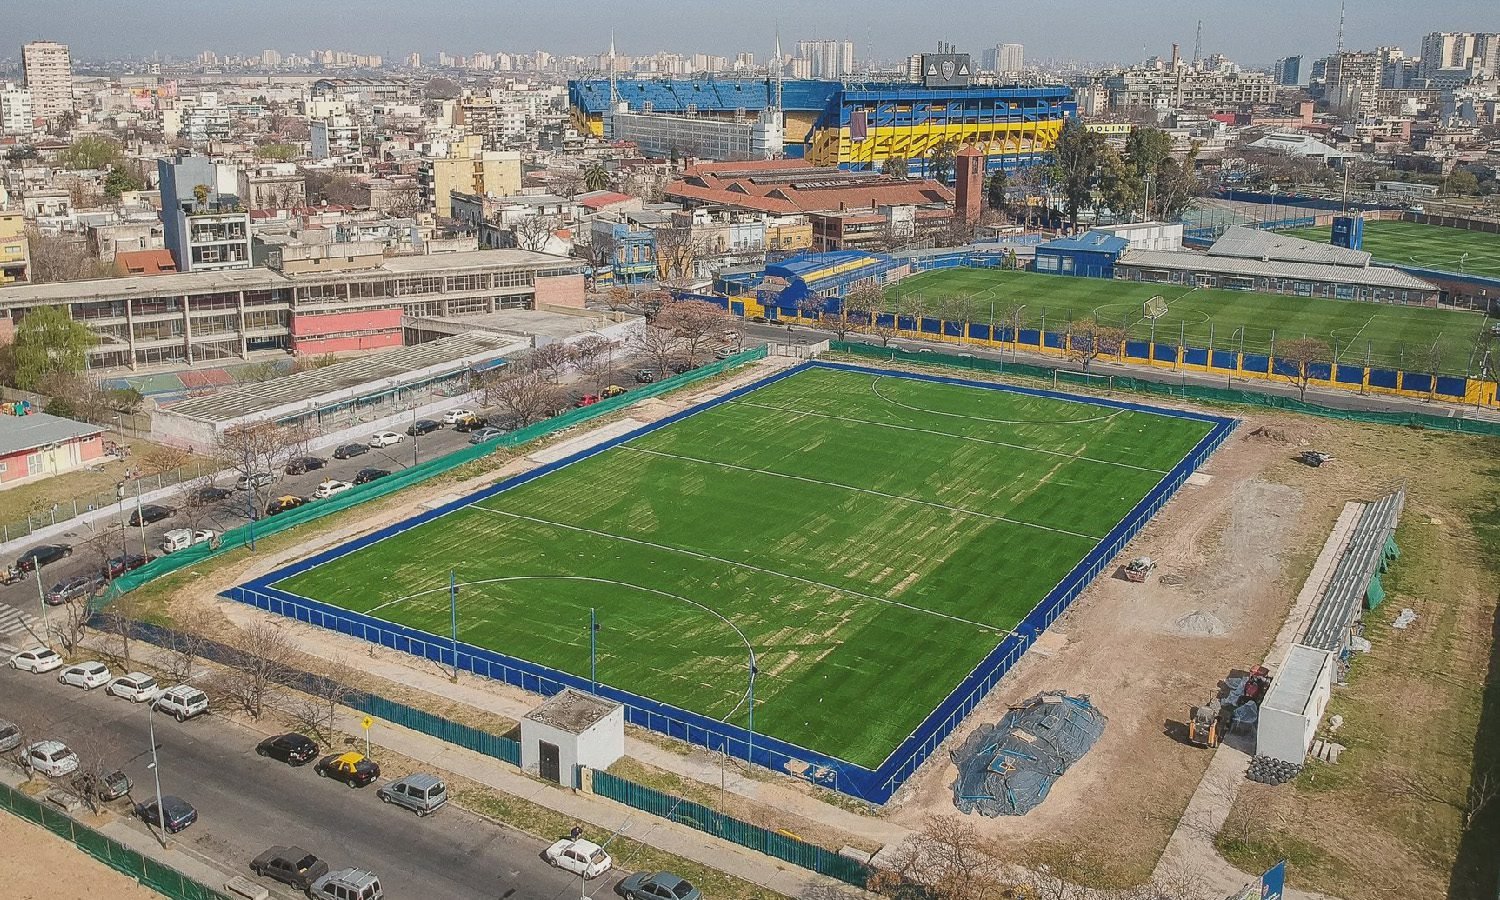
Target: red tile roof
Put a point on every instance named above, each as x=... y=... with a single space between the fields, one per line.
x=145 y=262
x=773 y=186
x=599 y=199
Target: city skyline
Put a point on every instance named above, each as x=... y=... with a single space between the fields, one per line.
x=1126 y=32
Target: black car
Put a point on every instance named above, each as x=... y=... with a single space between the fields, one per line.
x=293 y=749
x=680 y=366
x=180 y=813
x=208 y=493
x=349 y=451
x=470 y=423
x=150 y=514
x=290 y=865
x=119 y=565
x=366 y=476
x=645 y=376
x=423 y=426
x=44 y=555
x=304 y=464
x=282 y=504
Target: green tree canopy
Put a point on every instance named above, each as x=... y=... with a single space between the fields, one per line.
x=1146 y=149
x=279 y=152
x=1077 y=157
x=595 y=177
x=994 y=190
x=894 y=167
x=940 y=160
x=90 y=152
x=119 y=180
x=48 y=342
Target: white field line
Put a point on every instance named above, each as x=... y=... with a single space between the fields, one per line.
x=875 y=388
x=747 y=566
x=962 y=437
x=859 y=490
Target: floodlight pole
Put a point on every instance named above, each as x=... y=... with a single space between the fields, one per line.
x=453 y=614
x=750 y=726
x=593 y=651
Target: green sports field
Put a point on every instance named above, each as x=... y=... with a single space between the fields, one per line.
x=872 y=537
x=1388 y=335
x=1429 y=246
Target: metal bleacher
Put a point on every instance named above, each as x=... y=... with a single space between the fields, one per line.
x=1350 y=583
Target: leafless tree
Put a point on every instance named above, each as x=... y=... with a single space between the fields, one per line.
x=659 y=344
x=185 y=645
x=697 y=325
x=263 y=655
x=403 y=201
x=316 y=709
x=1298 y=359
x=162 y=458
x=1484 y=788
x=261 y=448
x=527 y=397
x=1089 y=339
x=67 y=623
x=948 y=860
x=651 y=303
x=533 y=232
x=617 y=298
x=594 y=356
x=1064 y=878
x=552 y=360
x=1430 y=363
x=957 y=308
x=57 y=258
x=912 y=306
x=677 y=252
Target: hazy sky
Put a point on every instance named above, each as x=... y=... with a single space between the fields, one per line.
x=1093 y=30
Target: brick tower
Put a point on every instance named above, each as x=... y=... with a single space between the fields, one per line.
x=968 y=184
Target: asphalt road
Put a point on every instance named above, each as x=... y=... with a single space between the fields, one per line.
x=247 y=803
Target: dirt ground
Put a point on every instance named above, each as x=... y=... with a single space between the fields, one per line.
x=39 y=865
x=1233 y=550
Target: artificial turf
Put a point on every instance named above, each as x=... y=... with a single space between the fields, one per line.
x=871 y=536
x=1385 y=335
x=1429 y=246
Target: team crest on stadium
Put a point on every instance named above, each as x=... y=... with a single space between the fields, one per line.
x=949 y=68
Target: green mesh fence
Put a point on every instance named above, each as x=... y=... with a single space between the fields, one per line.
x=161 y=878
x=1067 y=377
x=396 y=481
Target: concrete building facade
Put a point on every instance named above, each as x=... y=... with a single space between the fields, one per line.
x=16 y=111
x=209 y=234
x=48 y=69
x=475 y=172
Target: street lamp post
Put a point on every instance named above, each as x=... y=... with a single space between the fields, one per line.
x=750 y=725
x=453 y=613
x=161 y=814
x=414 y=438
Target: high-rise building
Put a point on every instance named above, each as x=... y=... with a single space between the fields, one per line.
x=1288 y=71
x=827 y=59
x=49 y=77
x=1476 y=52
x=414 y=61
x=1010 y=59
x=270 y=58
x=15 y=110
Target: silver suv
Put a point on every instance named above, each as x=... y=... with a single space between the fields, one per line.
x=419 y=793
x=346 y=884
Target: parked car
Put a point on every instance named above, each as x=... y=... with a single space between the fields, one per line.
x=645 y=376
x=331 y=487
x=657 y=886
x=182 y=538
x=254 y=480
x=470 y=422
x=119 y=565
x=37 y=660
x=613 y=390
x=301 y=465
x=452 y=416
x=45 y=555
x=290 y=865
x=283 y=503
x=353 y=769
x=346 y=884
x=87 y=675
x=365 y=476
x=681 y=366
x=580 y=857
x=112 y=786
x=10 y=736
x=137 y=687
x=723 y=352
x=182 y=702
x=292 y=748
x=75 y=588
x=485 y=434
x=587 y=400
x=150 y=514
x=423 y=426
x=208 y=493
x=179 y=814
x=51 y=758
x=420 y=793
x=349 y=451
x=386 y=438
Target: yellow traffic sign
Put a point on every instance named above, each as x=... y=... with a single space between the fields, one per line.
x=367 y=723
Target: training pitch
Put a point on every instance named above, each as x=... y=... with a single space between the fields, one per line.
x=1386 y=335
x=1429 y=246
x=871 y=535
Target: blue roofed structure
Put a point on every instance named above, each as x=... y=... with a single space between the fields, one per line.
x=1089 y=255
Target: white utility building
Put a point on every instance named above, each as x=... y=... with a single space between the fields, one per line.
x=571 y=729
x=1294 y=706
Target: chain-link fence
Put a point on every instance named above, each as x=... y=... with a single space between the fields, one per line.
x=135 y=488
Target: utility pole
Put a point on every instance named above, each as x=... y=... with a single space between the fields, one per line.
x=41 y=599
x=161 y=814
x=593 y=651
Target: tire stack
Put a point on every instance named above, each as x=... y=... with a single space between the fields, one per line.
x=1265 y=770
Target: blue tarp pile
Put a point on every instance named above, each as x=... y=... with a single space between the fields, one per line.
x=1007 y=769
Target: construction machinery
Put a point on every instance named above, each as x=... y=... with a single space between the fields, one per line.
x=1140 y=567
x=1314 y=458
x=1203 y=726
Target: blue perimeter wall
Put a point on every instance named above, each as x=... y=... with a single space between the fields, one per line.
x=875 y=786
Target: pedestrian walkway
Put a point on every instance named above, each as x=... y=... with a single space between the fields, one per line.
x=18 y=629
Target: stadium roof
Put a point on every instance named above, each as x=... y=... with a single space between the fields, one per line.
x=1253 y=243
x=21 y=433
x=1371 y=276
x=678 y=95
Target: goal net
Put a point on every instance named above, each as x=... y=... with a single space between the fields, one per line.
x=1156 y=307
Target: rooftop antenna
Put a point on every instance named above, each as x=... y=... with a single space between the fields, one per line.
x=776 y=74
x=1341 y=26
x=1198 y=45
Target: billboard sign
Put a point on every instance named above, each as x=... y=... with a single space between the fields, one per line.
x=946 y=70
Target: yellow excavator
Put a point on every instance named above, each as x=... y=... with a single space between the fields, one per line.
x=1203 y=726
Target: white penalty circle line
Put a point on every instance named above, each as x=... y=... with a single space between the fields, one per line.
x=609 y=581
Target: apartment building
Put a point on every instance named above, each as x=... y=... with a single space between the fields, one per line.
x=188 y=318
x=15 y=254
x=469 y=171
x=16 y=112
x=1180 y=88
x=272 y=186
x=333 y=136
x=206 y=227
x=48 y=71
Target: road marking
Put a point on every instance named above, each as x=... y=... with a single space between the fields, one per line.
x=17 y=624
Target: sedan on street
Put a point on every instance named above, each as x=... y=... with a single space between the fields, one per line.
x=349 y=451
x=179 y=813
x=365 y=476
x=423 y=426
x=137 y=687
x=150 y=514
x=44 y=555
x=330 y=488
x=87 y=675
x=75 y=588
x=293 y=749
x=301 y=465
x=51 y=758
x=36 y=660
x=386 y=438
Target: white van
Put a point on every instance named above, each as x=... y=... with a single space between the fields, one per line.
x=183 y=702
x=182 y=538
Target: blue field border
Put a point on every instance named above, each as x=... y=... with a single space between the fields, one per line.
x=876 y=786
